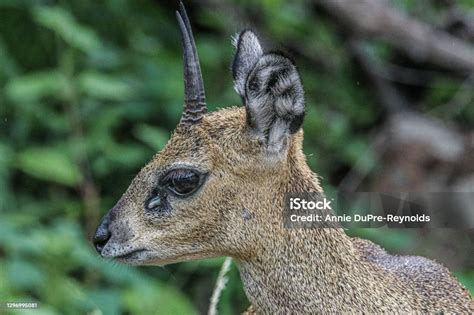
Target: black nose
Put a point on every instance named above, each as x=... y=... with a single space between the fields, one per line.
x=102 y=234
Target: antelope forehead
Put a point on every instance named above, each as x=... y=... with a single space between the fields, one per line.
x=196 y=145
x=224 y=122
x=183 y=148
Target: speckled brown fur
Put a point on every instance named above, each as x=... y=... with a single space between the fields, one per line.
x=251 y=156
x=238 y=214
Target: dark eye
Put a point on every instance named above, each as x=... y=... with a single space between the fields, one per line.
x=183 y=182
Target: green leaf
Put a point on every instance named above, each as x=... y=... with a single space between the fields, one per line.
x=23 y=274
x=106 y=300
x=63 y=23
x=50 y=165
x=104 y=86
x=156 y=298
x=156 y=138
x=34 y=86
x=9 y=65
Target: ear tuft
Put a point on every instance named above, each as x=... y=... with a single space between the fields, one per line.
x=248 y=52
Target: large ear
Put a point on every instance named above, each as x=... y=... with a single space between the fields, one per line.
x=270 y=87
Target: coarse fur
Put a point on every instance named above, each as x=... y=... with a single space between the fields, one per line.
x=252 y=156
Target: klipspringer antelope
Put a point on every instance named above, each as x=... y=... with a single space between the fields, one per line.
x=217 y=189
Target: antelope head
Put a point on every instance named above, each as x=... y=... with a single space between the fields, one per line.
x=218 y=178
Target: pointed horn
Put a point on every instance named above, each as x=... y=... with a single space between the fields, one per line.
x=194 y=96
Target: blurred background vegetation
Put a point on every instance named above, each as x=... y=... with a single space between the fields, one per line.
x=90 y=90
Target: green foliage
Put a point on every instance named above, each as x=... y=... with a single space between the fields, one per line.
x=35 y=86
x=53 y=265
x=62 y=23
x=90 y=90
x=49 y=164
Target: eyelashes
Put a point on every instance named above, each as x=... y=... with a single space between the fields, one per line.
x=182 y=182
x=176 y=174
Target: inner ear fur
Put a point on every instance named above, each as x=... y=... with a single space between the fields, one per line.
x=271 y=89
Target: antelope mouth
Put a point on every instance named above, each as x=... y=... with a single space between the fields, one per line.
x=133 y=255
